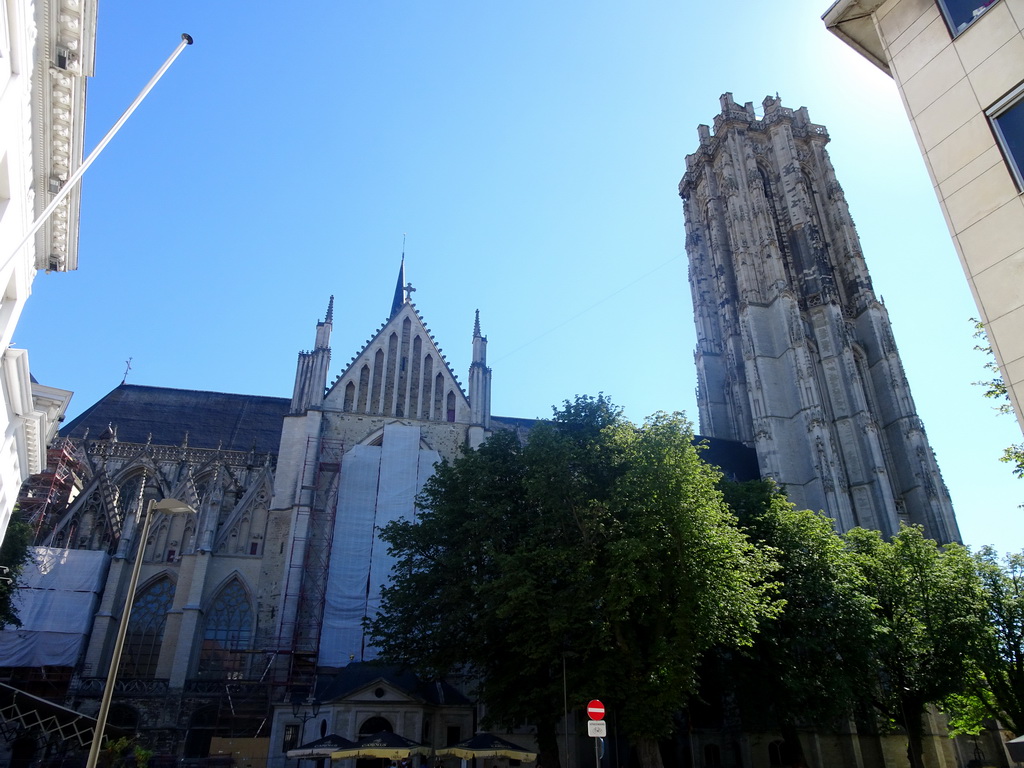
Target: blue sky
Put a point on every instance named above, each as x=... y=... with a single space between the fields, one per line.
x=529 y=152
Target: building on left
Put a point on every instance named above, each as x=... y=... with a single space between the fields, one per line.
x=46 y=53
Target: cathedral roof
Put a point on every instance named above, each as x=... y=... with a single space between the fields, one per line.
x=139 y=414
x=251 y=422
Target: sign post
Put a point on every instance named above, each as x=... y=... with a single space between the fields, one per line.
x=596 y=727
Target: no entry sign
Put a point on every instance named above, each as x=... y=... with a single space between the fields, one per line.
x=596 y=710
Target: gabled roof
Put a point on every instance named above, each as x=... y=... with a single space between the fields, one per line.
x=379 y=342
x=359 y=675
x=139 y=414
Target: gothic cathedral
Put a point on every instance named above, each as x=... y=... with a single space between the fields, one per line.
x=248 y=619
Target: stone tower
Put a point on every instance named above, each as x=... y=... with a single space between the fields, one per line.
x=795 y=355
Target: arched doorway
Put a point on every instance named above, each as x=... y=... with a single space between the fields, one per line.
x=368 y=728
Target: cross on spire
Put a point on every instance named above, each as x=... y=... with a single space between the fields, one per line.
x=408 y=292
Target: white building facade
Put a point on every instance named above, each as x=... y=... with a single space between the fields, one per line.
x=46 y=52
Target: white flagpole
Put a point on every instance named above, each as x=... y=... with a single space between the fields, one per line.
x=65 y=190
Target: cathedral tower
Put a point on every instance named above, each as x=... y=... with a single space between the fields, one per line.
x=795 y=355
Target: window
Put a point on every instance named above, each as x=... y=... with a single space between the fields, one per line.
x=146 y=630
x=960 y=14
x=1007 y=118
x=291 y=737
x=228 y=630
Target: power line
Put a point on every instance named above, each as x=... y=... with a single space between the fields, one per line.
x=584 y=311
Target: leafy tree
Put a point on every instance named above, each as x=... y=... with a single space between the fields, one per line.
x=996 y=685
x=930 y=615
x=807 y=665
x=599 y=539
x=995 y=388
x=13 y=556
x=123 y=753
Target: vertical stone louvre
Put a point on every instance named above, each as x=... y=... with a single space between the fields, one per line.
x=795 y=355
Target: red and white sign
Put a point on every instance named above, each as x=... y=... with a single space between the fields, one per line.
x=596 y=710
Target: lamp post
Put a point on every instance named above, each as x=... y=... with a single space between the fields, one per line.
x=297 y=706
x=167 y=506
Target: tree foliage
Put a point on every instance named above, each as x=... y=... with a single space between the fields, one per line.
x=600 y=550
x=807 y=666
x=995 y=388
x=930 y=616
x=13 y=556
x=996 y=683
x=124 y=752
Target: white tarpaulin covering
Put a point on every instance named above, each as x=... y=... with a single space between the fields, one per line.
x=56 y=601
x=378 y=484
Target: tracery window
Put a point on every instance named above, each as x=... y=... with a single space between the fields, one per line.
x=228 y=630
x=146 y=629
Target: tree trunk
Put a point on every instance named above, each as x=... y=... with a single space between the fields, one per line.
x=547 y=746
x=792 y=746
x=648 y=753
x=915 y=737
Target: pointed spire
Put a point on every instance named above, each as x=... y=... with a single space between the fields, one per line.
x=476 y=325
x=399 y=299
x=329 y=318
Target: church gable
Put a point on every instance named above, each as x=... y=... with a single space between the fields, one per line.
x=401 y=373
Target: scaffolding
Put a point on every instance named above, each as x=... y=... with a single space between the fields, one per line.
x=44 y=497
x=321 y=474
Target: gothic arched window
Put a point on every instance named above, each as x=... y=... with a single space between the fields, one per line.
x=146 y=629
x=228 y=630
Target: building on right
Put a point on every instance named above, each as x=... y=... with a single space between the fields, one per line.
x=959 y=67
x=795 y=355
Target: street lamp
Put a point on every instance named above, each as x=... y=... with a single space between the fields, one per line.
x=297 y=706
x=168 y=507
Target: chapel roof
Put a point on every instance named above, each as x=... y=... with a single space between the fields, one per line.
x=140 y=414
x=347 y=680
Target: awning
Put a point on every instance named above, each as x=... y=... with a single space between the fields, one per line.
x=324 y=747
x=488 y=745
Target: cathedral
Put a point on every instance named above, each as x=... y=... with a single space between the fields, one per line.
x=247 y=635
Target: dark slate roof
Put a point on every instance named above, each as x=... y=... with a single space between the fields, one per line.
x=736 y=460
x=235 y=422
x=347 y=680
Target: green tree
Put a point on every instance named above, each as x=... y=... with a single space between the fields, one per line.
x=13 y=556
x=599 y=545
x=124 y=752
x=930 y=617
x=996 y=685
x=995 y=388
x=807 y=666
